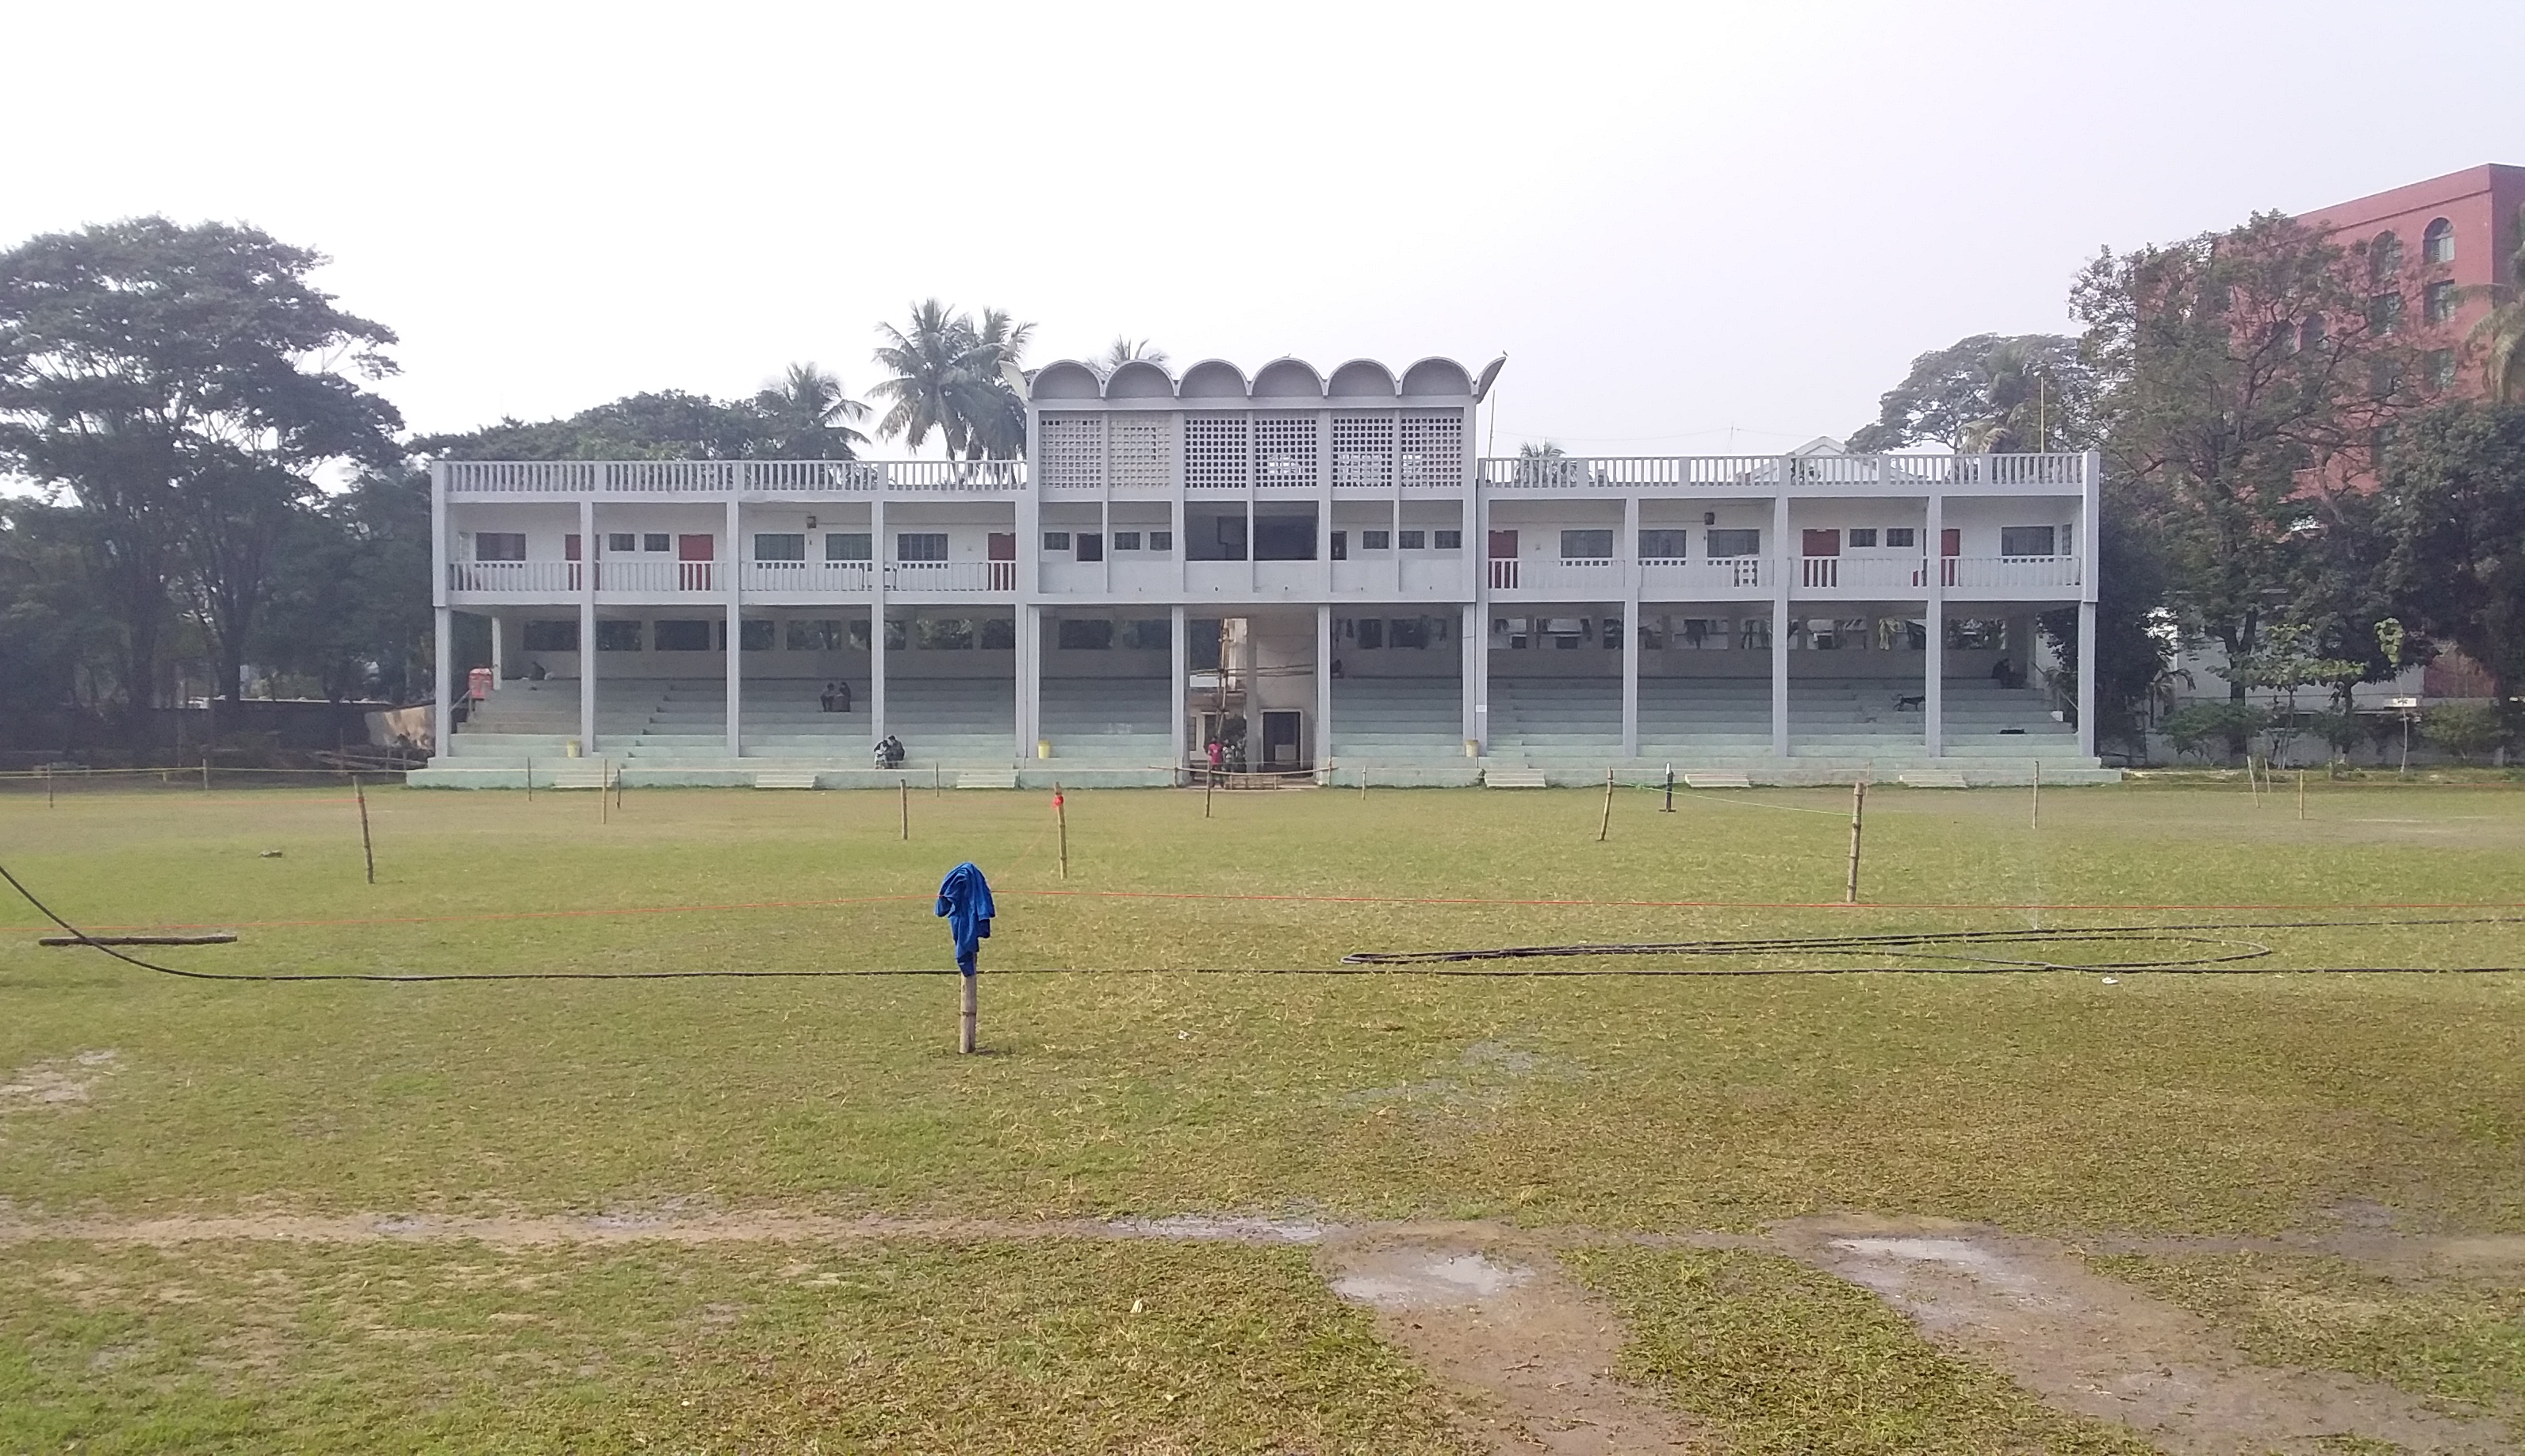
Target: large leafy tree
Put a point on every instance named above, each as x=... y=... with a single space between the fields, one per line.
x=184 y=384
x=808 y=416
x=2451 y=513
x=351 y=600
x=949 y=374
x=2244 y=387
x=2501 y=333
x=56 y=637
x=663 y=425
x=1989 y=392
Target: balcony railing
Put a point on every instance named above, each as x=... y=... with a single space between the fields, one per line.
x=1662 y=577
x=833 y=578
x=660 y=577
x=1862 y=572
x=543 y=577
x=2011 y=572
x=653 y=477
x=951 y=576
x=1766 y=473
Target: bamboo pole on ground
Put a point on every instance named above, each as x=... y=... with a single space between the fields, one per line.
x=2034 y=816
x=1061 y=819
x=367 y=846
x=1605 y=825
x=904 y=785
x=1858 y=813
x=2300 y=796
x=604 y=792
x=969 y=1013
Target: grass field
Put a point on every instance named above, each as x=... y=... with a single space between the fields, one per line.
x=1128 y=1078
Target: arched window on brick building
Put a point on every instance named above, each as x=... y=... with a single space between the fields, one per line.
x=2437 y=245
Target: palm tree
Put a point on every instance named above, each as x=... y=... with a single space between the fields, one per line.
x=926 y=364
x=2502 y=332
x=808 y=416
x=950 y=376
x=1121 y=352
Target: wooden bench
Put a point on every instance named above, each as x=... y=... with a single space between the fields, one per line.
x=1716 y=781
x=987 y=778
x=1932 y=779
x=791 y=779
x=1512 y=779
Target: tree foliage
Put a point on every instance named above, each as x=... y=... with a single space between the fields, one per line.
x=949 y=374
x=2450 y=518
x=1989 y=392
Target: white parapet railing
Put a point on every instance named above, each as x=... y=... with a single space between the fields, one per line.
x=520 y=577
x=661 y=577
x=651 y=477
x=1767 y=473
x=2011 y=572
x=951 y=576
x=819 y=578
x=1862 y=572
x=1671 y=575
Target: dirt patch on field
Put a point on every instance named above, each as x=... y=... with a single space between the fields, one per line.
x=58 y=1083
x=1495 y=1316
x=2094 y=1345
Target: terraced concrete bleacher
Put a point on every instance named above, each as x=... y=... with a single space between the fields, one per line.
x=1107 y=721
x=953 y=723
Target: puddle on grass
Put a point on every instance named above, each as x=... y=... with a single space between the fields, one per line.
x=1222 y=1228
x=1421 y=1278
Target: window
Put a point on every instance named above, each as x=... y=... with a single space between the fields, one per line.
x=1408 y=632
x=2441 y=369
x=780 y=545
x=2025 y=540
x=1162 y=540
x=824 y=635
x=856 y=636
x=2438 y=302
x=2384 y=312
x=622 y=540
x=998 y=635
x=944 y=633
x=1085 y=635
x=2309 y=335
x=1901 y=635
x=2385 y=378
x=1610 y=638
x=1091 y=545
x=1372 y=631
x=1586 y=545
x=2384 y=259
x=1664 y=545
x=1976 y=634
x=1341 y=545
x=1902 y=537
x=1056 y=540
x=684 y=634
x=1147 y=634
x=846 y=545
x=1862 y=535
x=499 y=545
x=1376 y=541
x=1415 y=540
x=754 y=635
x=1126 y=540
x=1735 y=544
x=657 y=541
x=1447 y=541
x=618 y=636
x=921 y=545
x=551 y=636
x=2437 y=244
x=1700 y=634
x=1753 y=634
x=1508 y=631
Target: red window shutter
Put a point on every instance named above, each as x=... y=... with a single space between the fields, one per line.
x=569 y=547
x=1950 y=542
x=1003 y=546
x=1502 y=545
x=1822 y=544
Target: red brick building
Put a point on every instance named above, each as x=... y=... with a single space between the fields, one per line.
x=2432 y=250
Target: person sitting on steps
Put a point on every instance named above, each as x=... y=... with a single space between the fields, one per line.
x=842 y=695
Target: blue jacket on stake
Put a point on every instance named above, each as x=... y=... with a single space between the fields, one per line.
x=964 y=898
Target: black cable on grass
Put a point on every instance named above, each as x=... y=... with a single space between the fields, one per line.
x=1916 y=946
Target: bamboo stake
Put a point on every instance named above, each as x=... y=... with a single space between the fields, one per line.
x=206 y=772
x=604 y=792
x=2300 y=796
x=1670 y=790
x=1858 y=813
x=905 y=784
x=617 y=787
x=2034 y=816
x=1605 y=825
x=937 y=781
x=1209 y=786
x=48 y=785
x=969 y=1013
x=367 y=846
x=530 y=780
x=1061 y=817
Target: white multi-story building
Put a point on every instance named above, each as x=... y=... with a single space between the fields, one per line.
x=1314 y=571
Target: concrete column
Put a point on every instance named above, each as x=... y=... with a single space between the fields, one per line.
x=735 y=633
x=499 y=651
x=1477 y=678
x=439 y=726
x=1030 y=685
x=440 y=723
x=877 y=568
x=2087 y=679
x=1179 y=666
x=587 y=570
x=1323 y=692
x=1785 y=556
x=1628 y=552
x=1933 y=577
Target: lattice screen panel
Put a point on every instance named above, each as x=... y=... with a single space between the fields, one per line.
x=1433 y=449
x=1286 y=450
x=1074 y=452
x=1217 y=456
x=1143 y=453
x=1363 y=451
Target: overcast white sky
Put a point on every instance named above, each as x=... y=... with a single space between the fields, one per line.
x=1691 y=227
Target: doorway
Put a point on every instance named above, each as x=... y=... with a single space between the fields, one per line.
x=1282 y=731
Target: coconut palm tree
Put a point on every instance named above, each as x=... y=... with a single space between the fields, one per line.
x=994 y=416
x=2502 y=332
x=1122 y=351
x=808 y=416
x=950 y=376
